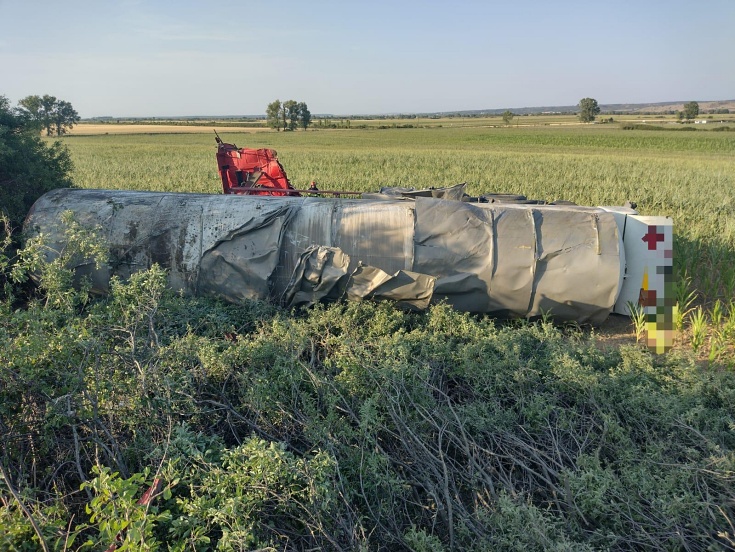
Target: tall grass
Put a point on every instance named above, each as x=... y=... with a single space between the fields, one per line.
x=688 y=176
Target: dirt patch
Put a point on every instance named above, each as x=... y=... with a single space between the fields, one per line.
x=617 y=330
x=90 y=129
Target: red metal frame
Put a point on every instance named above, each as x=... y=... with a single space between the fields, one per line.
x=251 y=171
x=258 y=172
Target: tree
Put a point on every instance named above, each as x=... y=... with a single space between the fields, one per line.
x=287 y=115
x=273 y=114
x=508 y=117
x=48 y=103
x=47 y=112
x=691 y=110
x=64 y=117
x=290 y=115
x=30 y=108
x=304 y=115
x=588 y=109
x=29 y=167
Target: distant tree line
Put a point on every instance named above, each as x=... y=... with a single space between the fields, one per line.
x=48 y=113
x=288 y=115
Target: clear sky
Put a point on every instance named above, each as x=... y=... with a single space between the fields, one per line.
x=188 y=57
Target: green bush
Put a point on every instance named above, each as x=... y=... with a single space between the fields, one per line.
x=29 y=167
x=635 y=126
x=348 y=426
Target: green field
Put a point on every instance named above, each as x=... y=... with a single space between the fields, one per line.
x=689 y=176
x=357 y=425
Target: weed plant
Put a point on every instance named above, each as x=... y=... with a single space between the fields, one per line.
x=345 y=427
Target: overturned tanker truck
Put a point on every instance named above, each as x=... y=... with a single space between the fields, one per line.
x=263 y=239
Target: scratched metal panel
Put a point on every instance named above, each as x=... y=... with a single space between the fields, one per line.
x=454 y=243
x=577 y=263
x=378 y=234
x=514 y=266
x=241 y=253
x=310 y=226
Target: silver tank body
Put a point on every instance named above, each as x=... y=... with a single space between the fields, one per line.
x=508 y=260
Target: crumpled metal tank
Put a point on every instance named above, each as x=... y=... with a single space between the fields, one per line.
x=504 y=259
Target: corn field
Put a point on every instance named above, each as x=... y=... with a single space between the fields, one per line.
x=689 y=176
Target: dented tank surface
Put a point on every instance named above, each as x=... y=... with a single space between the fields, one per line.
x=504 y=259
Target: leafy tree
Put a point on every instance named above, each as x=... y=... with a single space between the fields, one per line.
x=64 y=117
x=304 y=115
x=49 y=113
x=31 y=109
x=47 y=108
x=508 y=117
x=273 y=114
x=691 y=110
x=290 y=115
x=29 y=167
x=588 y=109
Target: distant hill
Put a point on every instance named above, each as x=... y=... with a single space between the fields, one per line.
x=661 y=107
x=670 y=106
x=629 y=108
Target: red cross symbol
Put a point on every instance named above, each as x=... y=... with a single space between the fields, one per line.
x=653 y=237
